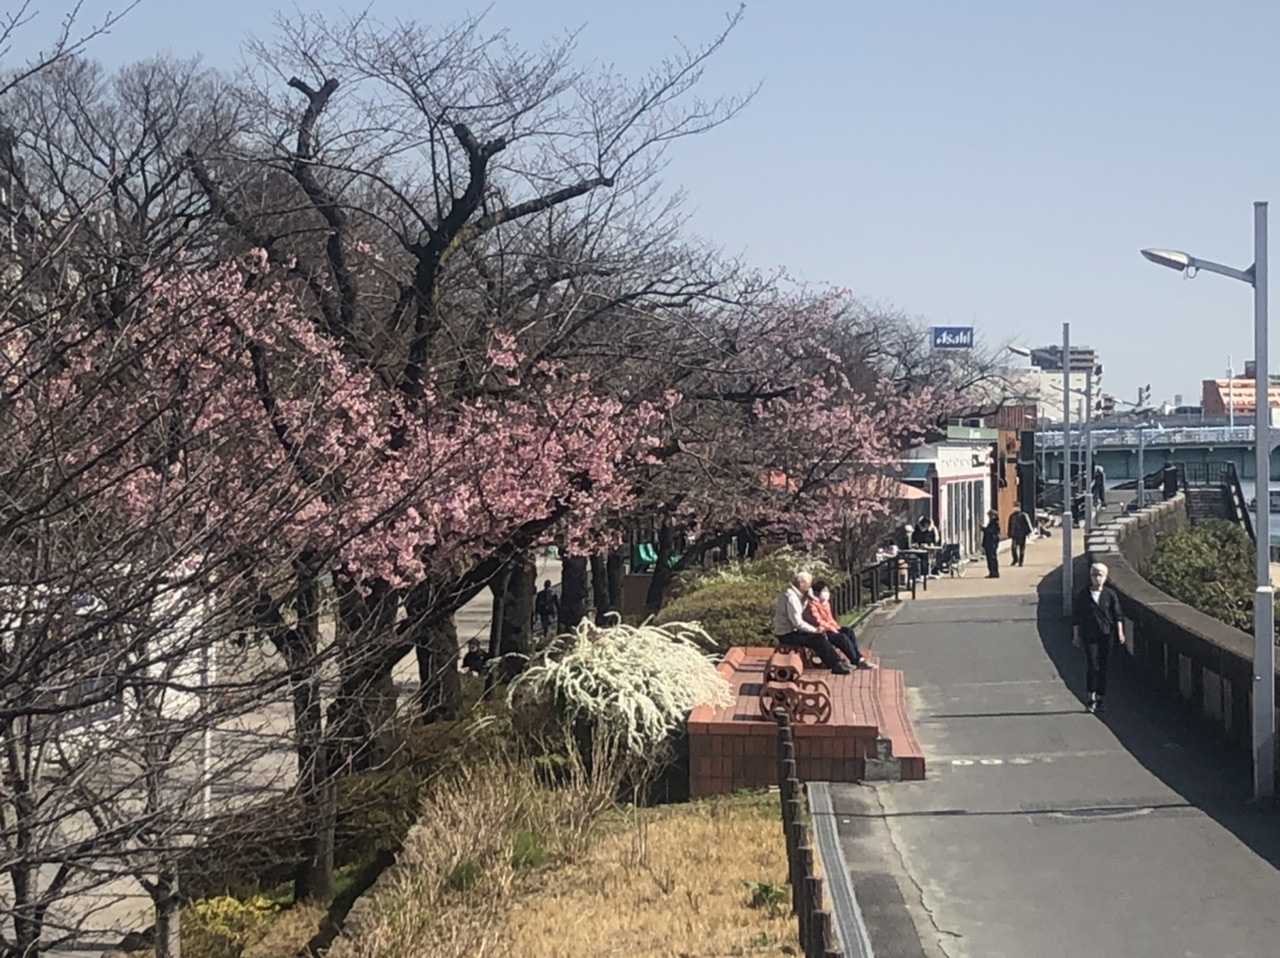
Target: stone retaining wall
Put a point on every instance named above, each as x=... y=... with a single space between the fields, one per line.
x=1180 y=650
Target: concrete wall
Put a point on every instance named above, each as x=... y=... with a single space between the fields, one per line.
x=1179 y=650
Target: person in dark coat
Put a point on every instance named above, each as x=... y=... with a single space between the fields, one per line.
x=991 y=543
x=475 y=661
x=924 y=534
x=1019 y=532
x=1097 y=621
x=547 y=606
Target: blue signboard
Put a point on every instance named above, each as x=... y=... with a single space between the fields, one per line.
x=951 y=337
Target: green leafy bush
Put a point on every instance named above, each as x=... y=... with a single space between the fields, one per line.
x=733 y=613
x=773 y=570
x=1209 y=566
x=222 y=927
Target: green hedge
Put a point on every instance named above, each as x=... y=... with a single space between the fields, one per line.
x=733 y=613
x=1209 y=566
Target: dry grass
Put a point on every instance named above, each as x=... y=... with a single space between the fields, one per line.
x=674 y=881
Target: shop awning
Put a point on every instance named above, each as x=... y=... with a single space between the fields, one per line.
x=910 y=492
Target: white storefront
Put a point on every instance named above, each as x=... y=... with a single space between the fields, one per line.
x=958 y=477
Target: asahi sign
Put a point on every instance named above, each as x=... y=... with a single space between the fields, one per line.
x=951 y=337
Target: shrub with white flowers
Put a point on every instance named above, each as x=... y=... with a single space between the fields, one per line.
x=634 y=682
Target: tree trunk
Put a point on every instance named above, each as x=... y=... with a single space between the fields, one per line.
x=498 y=587
x=314 y=878
x=573 y=592
x=614 y=570
x=168 y=925
x=661 y=569
x=600 y=588
x=27 y=924
x=517 y=616
x=439 y=684
x=367 y=706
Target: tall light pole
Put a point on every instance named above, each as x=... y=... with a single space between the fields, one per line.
x=1231 y=398
x=1068 y=519
x=1264 y=651
x=1088 y=448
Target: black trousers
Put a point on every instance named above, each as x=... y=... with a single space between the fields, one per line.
x=1096 y=653
x=993 y=565
x=1019 y=548
x=816 y=641
x=846 y=642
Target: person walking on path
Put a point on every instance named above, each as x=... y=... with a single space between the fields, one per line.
x=991 y=543
x=1097 y=621
x=1019 y=532
x=1099 y=486
x=547 y=605
x=790 y=627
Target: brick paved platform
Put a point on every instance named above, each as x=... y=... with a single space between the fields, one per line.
x=736 y=747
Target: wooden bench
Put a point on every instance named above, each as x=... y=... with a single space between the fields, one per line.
x=786 y=690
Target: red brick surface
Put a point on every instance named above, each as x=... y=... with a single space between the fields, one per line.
x=736 y=747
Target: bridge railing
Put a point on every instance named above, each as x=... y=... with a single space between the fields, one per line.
x=1156 y=438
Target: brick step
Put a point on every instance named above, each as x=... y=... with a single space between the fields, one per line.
x=869 y=735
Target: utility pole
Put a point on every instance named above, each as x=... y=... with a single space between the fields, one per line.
x=1068 y=492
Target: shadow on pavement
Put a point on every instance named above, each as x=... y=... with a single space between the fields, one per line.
x=1158 y=731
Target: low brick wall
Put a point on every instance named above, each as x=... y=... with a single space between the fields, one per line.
x=1184 y=652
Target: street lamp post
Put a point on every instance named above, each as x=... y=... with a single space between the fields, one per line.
x=1264 y=667
x=1088 y=449
x=1068 y=519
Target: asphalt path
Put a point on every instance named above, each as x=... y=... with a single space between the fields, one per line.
x=1042 y=830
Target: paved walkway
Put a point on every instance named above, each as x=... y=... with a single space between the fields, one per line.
x=1043 y=830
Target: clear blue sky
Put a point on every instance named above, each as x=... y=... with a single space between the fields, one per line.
x=997 y=163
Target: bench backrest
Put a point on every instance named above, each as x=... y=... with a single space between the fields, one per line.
x=784 y=667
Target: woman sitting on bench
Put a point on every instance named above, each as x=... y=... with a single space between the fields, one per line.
x=817 y=611
x=791 y=629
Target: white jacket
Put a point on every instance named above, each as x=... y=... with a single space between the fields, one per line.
x=788 y=613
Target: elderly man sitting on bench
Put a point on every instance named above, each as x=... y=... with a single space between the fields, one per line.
x=790 y=627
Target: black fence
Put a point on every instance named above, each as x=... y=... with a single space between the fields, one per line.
x=889 y=577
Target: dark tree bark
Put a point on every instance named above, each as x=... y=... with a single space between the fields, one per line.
x=573 y=591
x=600 y=587
x=168 y=927
x=517 y=615
x=440 y=685
x=614 y=570
x=314 y=879
x=365 y=711
x=498 y=616
x=661 y=569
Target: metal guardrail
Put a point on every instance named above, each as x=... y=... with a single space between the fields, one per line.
x=851 y=927
x=819 y=937
x=1155 y=438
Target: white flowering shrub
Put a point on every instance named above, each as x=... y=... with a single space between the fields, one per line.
x=635 y=683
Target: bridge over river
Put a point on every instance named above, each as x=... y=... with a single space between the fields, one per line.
x=1116 y=449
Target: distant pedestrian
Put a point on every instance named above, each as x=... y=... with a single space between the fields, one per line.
x=925 y=534
x=1098 y=620
x=791 y=628
x=991 y=544
x=547 y=607
x=1019 y=532
x=1099 y=486
x=475 y=661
